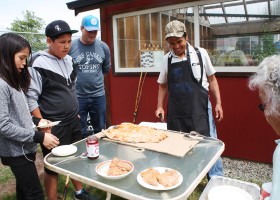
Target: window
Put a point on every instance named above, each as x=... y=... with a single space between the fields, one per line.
x=237 y=34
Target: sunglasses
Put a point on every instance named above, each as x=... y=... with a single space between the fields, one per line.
x=261 y=107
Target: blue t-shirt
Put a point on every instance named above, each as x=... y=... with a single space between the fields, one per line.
x=91 y=62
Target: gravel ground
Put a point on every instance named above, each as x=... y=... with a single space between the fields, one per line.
x=247 y=170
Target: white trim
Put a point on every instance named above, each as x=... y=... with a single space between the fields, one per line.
x=139 y=37
x=165 y=8
x=195 y=5
x=196 y=26
x=138 y=69
x=115 y=35
x=236 y=69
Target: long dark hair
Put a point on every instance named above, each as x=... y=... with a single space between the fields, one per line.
x=10 y=44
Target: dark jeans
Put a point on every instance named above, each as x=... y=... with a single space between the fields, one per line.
x=28 y=185
x=95 y=107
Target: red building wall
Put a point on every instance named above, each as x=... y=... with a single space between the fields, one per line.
x=244 y=130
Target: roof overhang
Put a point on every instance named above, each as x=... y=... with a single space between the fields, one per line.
x=85 y=5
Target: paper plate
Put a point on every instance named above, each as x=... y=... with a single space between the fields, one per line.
x=49 y=125
x=64 y=150
x=228 y=192
x=102 y=169
x=159 y=187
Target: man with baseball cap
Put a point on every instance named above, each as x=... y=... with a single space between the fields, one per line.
x=92 y=61
x=186 y=77
x=90 y=23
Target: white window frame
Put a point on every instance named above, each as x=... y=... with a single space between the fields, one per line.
x=195 y=5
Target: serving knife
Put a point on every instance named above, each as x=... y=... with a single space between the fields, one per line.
x=197 y=136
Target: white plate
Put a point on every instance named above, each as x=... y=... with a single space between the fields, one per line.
x=49 y=124
x=64 y=150
x=228 y=192
x=102 y=169
x=159 y=187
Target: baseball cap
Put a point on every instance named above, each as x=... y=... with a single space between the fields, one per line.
x=90 y=23
x=175 y=29
x=58 y=27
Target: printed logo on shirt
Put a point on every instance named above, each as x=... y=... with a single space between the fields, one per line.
x=91 y=68
x=195 y=64
x=88 y=62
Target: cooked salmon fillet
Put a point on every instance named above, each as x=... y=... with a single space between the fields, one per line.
x=150 y=176
x=168 y=178
x=118 y=167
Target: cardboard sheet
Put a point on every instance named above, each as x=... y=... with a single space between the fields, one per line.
x=175 y=144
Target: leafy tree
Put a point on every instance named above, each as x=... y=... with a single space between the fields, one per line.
x=265 y=48
x=30 y=28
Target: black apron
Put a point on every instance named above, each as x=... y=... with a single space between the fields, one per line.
x=187 y=99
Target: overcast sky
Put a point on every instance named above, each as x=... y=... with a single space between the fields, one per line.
x=48 y=10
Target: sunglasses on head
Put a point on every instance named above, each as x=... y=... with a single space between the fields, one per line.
x=261 y=107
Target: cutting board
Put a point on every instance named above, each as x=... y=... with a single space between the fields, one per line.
x=175 y=144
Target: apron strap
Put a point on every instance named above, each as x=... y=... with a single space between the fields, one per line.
x=200 y=63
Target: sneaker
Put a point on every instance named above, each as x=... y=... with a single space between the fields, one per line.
x=84 y=195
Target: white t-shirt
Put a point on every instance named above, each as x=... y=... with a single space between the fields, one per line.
x=207 y=71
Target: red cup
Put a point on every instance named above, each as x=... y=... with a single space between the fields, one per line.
x=266 y=190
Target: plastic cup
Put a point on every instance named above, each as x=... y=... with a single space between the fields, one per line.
x=266 y=190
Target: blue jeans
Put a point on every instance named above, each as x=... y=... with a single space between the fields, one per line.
x=95 y=107
x=217 y=168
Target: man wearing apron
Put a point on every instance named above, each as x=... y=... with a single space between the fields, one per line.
x=186 y=83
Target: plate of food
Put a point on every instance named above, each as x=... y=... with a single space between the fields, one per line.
x=114 y=169
x=46 y=124
x=160 y=178
x=132 y=133
x=64 y=150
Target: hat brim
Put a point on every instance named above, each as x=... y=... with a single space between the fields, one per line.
x=90 y=28
x=60 y=33
x=179 y=34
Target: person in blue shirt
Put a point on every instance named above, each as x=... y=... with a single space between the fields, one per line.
x=267 y=81
x=91 y=58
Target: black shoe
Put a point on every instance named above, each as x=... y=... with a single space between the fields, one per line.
x=84 y=195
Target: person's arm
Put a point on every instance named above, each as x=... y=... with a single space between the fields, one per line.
x=106 y=66
x=36 y=113
x=162 y=92
x=49 y=140
x=36 y=120
x=34 y=90
x=215 y=92
x=275 y=193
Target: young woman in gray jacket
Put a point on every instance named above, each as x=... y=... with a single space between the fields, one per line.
x=18 y=134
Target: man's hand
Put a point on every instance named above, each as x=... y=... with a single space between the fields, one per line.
x=219 y=115
x=160 y=113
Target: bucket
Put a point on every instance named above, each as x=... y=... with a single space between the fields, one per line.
x=266 y=190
